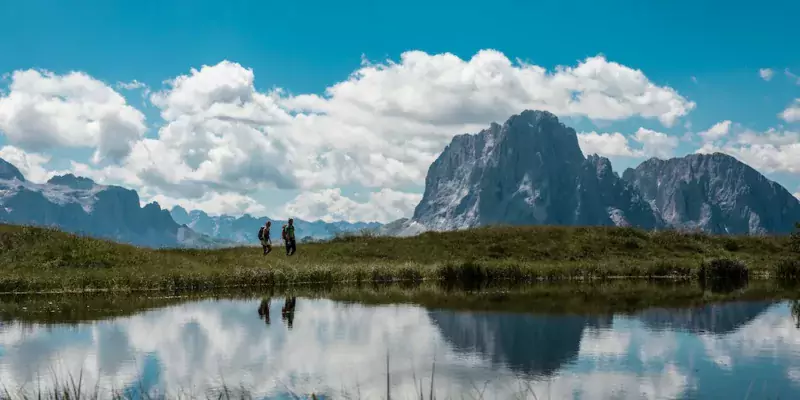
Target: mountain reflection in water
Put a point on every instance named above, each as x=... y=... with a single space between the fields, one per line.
x=717 y=351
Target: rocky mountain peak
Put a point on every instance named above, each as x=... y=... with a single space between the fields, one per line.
x=525 y=171
x=716 y=193
x=9 y=172
x=530 y=171
x=72 y=181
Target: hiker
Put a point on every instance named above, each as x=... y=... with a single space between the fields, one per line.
x=288 y=237
x=263 y=236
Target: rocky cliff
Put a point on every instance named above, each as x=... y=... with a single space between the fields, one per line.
x=531 y=171
x=715 y=193
x=528 y=171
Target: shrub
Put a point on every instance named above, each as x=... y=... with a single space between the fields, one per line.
x=723 y=274
x=788 y=269
x=731 y=245
x=794 y=239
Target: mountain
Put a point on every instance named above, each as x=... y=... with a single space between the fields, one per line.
x=243 y=230
x=531 y=171
x=714 y=193
x=79 y=205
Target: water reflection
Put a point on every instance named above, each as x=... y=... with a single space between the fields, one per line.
x=719 y=351
x=535 y=345
x=287 y=312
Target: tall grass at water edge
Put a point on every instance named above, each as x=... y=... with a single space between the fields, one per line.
x=39 y=259
x=72 y=388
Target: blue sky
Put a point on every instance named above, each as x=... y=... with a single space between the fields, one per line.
x=709 y=53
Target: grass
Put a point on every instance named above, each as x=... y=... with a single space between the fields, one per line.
x=39 y=259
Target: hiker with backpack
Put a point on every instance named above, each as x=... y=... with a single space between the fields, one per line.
x=263 y=236
x=287 y=234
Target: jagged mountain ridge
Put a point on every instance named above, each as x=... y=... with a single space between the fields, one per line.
x=245 y=228
x=714 y=193
x=531 y=171
x=79 y=205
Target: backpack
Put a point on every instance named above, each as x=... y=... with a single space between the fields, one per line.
x=261 y=233
x=283 y=233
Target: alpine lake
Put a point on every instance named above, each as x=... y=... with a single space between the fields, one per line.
x=593 y=340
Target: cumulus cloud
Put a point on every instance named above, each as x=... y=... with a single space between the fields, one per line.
x=605 y=144
x=381 y=127
x=214 y=203
x=792 y=112
x=770 y=151
x=652 y=143
x=656 y=144
x=329 y=205
x=32 y=165
x=766 y=73
x=42 y=111
x=716 y=132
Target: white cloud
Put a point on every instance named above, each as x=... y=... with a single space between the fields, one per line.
x=653 y=144
x=379 y=128
x=213 y=203
x=329 y=205
x=656 y=144
x=766 y=73
x=43 y=111
x=797 y=194
x=792 y=112
x=606 y=144
x=770 y=151
x=132 y=85
x=30 y=164
x=769 y=158
x=716 y=132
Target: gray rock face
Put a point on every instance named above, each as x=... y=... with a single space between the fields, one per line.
x=78 y=205
x=243 y=230
x=9 y=172
x=715 y=193
x=529 y=171
x=72 y=181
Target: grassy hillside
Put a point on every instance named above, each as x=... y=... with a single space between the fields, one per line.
x=37 y=259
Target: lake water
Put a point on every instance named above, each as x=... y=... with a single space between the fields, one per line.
x=733 y=350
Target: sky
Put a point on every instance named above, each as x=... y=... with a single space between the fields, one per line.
x=335 y=110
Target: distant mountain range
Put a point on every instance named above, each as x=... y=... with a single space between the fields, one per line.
x=531 y=171
x=528 y=171
x=79 y=205
x=244 y=229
